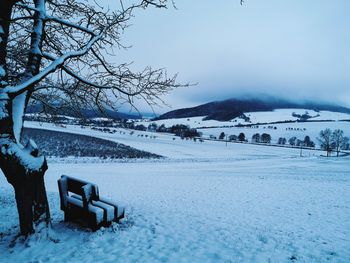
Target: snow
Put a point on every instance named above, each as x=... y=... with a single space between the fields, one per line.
x=18 y=105
x=29 y=162
x=243 y=210
x=204 y=203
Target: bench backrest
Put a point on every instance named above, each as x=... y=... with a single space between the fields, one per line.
x=67 y=184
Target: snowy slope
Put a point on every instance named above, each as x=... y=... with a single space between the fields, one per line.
x=204 y=203
x=173 y=147
x=251 y=208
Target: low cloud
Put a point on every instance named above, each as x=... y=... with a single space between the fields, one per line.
x=297 y=50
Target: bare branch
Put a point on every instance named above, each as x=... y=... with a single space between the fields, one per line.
x=69 y=24
x=74 y=56
x=16 y=90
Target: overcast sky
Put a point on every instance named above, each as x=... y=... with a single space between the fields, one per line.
x=295 y=49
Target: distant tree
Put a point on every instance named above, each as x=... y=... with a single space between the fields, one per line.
x=178 y=128
x=282 y=141
x=265 y=138
x=256 y=137
x=325 y=139
x=152 y=127
x=241 y=137
x=292 y=141
x=339 y=141
x=140 y=127
x=191 y=133
x=233 y=137
x=299 y=142
x=308 y=142
x=162 y=128
x=222 y=136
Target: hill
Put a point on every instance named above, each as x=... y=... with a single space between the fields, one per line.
x=229 y=109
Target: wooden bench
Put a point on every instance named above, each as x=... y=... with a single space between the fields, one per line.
x=81 y=203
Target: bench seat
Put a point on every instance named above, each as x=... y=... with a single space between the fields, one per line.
x=96 y=212
x=107 y=210
x=81 y=202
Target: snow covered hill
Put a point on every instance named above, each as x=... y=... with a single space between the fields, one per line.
x=227 y=110
x=278 y=123
x=266 y=117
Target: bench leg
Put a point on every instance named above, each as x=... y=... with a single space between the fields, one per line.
x=92 y=224
x=67 y=216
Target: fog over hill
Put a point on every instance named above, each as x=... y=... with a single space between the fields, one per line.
x=229 y=109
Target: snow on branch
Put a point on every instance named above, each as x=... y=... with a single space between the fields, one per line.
x=28 y=161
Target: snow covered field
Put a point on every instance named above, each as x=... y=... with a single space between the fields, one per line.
x=204 y=203
x=325 y=119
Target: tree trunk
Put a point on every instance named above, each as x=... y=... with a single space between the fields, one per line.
x=30 y=194
x=24 y=170
x=22 y=166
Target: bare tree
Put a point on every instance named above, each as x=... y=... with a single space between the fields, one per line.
x=222 y=136
x=265 y=138
x=56 y=52
x=339 y=141
x=241 y=137
x=292 y=141
x=256 y=138
x=282 y=141
x=325 y=140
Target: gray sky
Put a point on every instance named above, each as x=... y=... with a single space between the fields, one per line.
x=293 y=49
